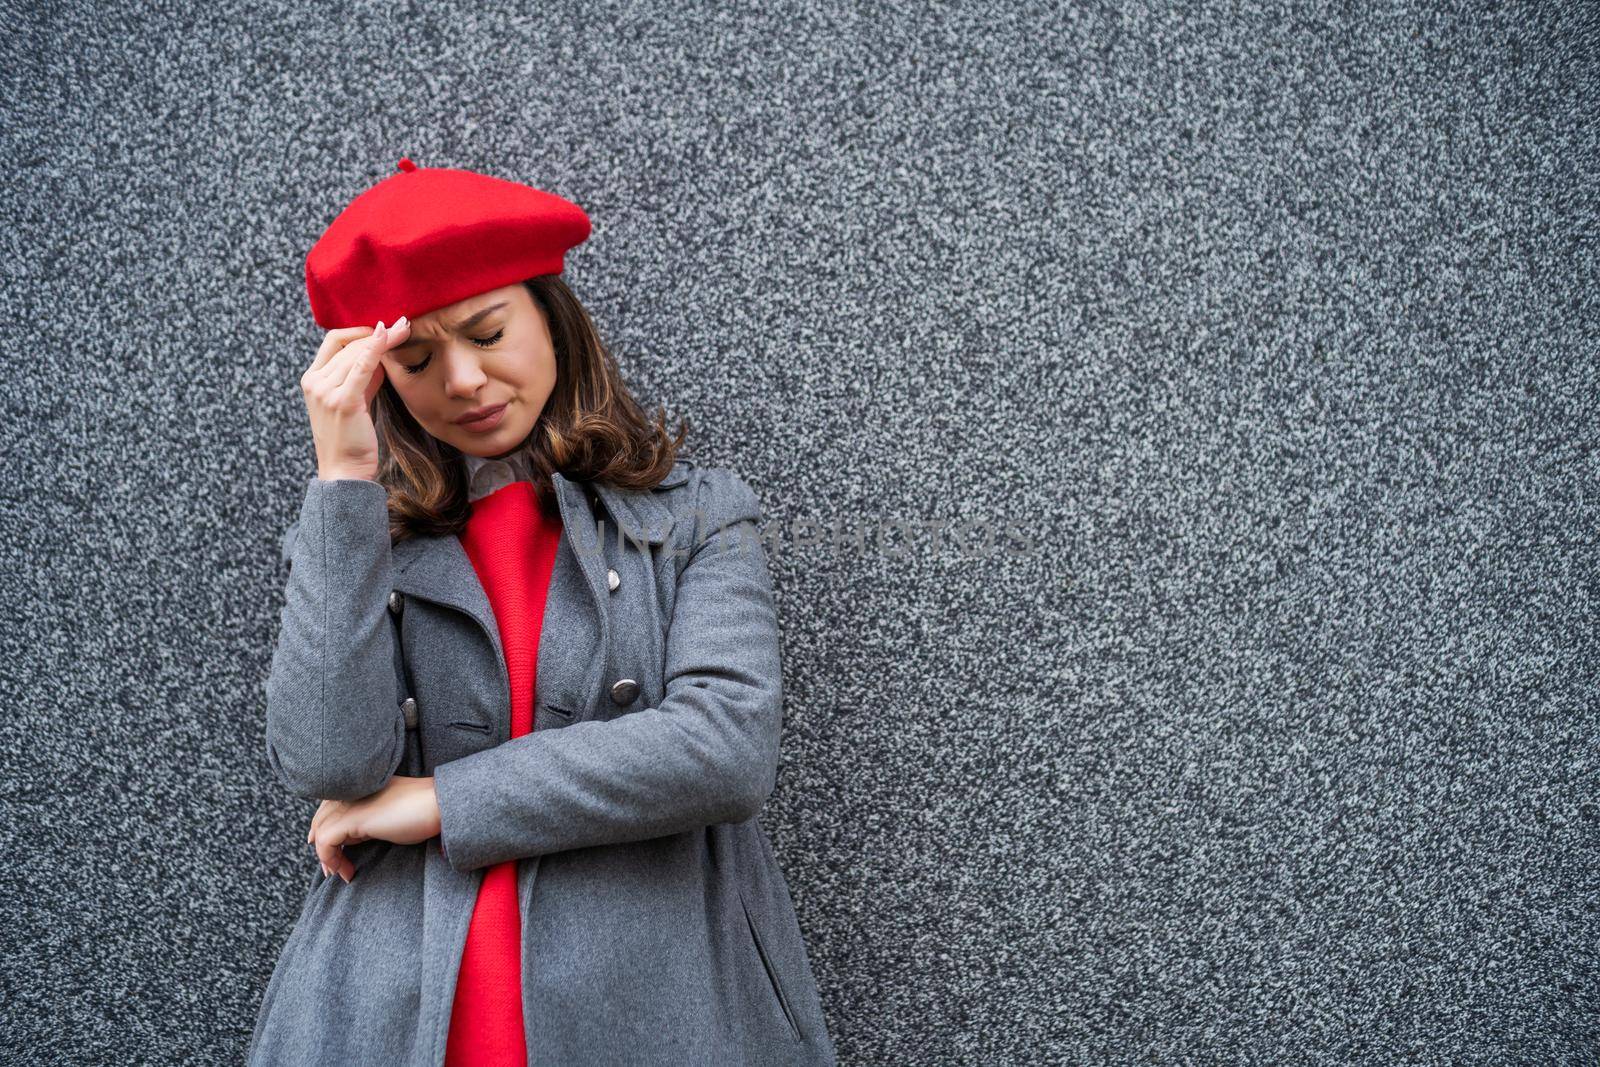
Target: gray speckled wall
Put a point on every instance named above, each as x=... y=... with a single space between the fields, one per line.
x=1275 y=328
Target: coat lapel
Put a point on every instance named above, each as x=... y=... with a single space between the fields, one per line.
x=574 y=647
x=642 y=516
x=571 y=664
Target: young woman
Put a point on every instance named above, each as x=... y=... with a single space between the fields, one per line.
x=528 y=665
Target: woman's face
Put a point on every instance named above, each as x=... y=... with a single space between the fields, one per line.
x=489 y=354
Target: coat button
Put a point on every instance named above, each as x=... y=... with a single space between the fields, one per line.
x=624 y=691
x=396 y=601
x=408 y=708
x=613 y=580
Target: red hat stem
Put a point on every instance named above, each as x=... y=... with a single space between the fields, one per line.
x=405 y=164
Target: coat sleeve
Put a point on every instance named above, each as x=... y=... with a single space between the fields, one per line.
x=708 y=753
x=335 y=729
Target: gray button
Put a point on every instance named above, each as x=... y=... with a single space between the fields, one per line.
x=408 y=708
x=624 y=691
x=396 y=601
x=613 y=579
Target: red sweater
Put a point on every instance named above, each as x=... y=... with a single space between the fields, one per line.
x=512 y=544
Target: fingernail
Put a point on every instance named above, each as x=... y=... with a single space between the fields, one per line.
x=401 y=321
x=380 y=327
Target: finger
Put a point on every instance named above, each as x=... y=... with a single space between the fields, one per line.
x=393 y=334
x=334 y=341
x=362 y=351
x=342 y=867
x=375 y=383
x=362 y=370
x=336 y=370
x=337 y=862
x=358 y=377
x=331 y=857
x=311 y=831
x=324 y=810
x=338 y=830
x=328 y=840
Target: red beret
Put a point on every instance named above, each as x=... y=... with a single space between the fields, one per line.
x=426 y=237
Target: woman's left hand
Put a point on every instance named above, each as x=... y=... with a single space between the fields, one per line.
x=405 y=811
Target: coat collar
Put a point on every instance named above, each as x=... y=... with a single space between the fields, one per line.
x=641 y=515
x=436 y=567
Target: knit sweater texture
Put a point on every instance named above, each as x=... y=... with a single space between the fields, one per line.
x=511 y=541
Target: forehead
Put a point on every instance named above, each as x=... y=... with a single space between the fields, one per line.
x=451 y=316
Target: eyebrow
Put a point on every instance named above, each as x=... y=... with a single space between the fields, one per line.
x=471 y=321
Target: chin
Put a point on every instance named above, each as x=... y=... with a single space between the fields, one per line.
x=503 y=440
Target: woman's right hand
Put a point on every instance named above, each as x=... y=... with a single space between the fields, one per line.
x=339 y=387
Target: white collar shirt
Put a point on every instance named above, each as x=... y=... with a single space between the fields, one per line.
x=485 y=475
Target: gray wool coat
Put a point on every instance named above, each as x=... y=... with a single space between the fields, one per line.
x=657 y=927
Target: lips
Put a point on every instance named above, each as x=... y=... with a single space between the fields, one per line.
x=482 y=418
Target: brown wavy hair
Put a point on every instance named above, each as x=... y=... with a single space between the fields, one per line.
x=591 y=429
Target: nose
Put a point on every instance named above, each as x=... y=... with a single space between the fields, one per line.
x=463 y=373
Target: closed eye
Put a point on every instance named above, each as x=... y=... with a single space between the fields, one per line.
x=481 y=342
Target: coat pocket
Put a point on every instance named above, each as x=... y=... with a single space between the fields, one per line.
x=766 y=965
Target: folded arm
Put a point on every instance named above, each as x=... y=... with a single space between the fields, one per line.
x=334 y=726
x=706 y=754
